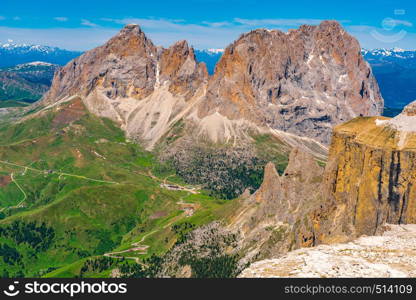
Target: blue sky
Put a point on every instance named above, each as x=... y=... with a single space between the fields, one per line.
x=82 y=25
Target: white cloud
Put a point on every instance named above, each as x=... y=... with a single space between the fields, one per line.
x=2 y=18
x=235 y=23
x=88 y=23
x=17 y=18
x=61 y=19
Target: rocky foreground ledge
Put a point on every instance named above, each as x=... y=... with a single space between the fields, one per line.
x=392 y=254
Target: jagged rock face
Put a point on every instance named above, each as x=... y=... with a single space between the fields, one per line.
x=272 y=221
x=144 y=88
x=179 y=66
x=303 y=82
x=370 y=176
x=124 y=66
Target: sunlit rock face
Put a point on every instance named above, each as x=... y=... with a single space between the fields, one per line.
x=144 y=88
x=303 y=82
x=389 y=255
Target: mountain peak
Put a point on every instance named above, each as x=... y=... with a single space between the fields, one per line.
x=405 y=122
x=294 y=81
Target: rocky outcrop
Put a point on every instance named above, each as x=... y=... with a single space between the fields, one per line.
x=124 y=66
x=368 y=182
x=178 y=65
x=144 y=88
x=274 y=219
x=303 y=82
x=370 y=176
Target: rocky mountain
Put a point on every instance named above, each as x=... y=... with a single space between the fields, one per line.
x=366 y=184
x=367 y=256
x=26 y=82
x=144 y=88
x=394 y=70
x=274 y=220
x=12 y=54
x=317 y=79
x=370 y=172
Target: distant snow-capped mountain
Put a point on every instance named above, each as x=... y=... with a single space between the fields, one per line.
x=12 y=54
x=395 y=71
x=26 y=82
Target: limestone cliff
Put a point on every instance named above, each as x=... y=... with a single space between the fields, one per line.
x=392 y=254
x=370 y=176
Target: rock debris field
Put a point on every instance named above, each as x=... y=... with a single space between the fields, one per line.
x=392 y=254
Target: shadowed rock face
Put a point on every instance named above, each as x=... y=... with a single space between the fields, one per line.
x=302 y=82
x=370 y=175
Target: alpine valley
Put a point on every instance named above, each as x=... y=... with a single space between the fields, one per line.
x=141 y=162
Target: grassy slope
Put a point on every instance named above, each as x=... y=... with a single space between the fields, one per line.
x=364 y=130
x=89 y=217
